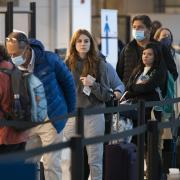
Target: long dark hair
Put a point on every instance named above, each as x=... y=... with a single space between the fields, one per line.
x=157 y=56
x=158 y=33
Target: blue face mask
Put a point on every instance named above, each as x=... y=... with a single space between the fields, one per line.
x=166 y=41
x=18 y=60
x=138 y=34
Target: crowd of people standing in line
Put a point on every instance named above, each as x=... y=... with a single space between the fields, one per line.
x=85 y=80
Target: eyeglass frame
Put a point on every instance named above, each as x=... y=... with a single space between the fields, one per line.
x=14 y=40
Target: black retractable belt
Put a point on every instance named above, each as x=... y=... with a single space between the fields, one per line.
x=6 y=71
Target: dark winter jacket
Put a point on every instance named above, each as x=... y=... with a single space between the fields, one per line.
x=147 y=91
x=131 y=55
x=58 y=83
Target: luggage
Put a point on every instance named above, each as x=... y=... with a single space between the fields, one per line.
x=121 y=161
x=120 y=124
x=173 y=176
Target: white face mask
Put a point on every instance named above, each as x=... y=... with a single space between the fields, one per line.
x=18 y=60
x=138 y=34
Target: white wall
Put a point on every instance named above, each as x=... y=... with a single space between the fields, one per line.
x=42 y=19
x=170 y=21
x=63 y=24
x=81 y=18
x=43 y=27
x=53 y=22
x=2 y=29
x=81 y=15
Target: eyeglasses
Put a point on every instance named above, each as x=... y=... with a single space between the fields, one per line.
x=19 y=39
x=14 y=40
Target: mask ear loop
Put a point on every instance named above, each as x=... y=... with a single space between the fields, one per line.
x=24 y=51
x=27 y=56
x=28 y=48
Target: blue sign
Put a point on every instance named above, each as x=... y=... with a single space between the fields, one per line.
x=109 y=35
x=107 y=30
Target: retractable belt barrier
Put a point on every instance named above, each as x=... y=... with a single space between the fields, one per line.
x=78 y=142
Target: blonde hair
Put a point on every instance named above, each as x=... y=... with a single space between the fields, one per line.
x=158 y=33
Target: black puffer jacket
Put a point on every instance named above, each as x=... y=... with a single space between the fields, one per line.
x=131 y=55
x=157 y=78
x=129 y=59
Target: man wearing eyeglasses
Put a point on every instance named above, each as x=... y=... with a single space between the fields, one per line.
x=50 y=73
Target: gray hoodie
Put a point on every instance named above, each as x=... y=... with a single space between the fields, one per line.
x=100 y=91
x=114 y=81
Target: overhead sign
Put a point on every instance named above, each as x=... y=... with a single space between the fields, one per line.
x=109 y=23
x=109 y=35
x=112 y=55
x=81 y=15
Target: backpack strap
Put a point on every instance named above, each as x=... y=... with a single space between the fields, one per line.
x=16 y=75
x=16 y=78
x=15 y=81
x=6 y=71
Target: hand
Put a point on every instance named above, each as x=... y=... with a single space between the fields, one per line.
x=38 y=98
x=86 y=81
x=117 y=94
x=123 y=96
x=142 y=82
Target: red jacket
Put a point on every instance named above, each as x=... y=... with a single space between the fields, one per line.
x=8 y=135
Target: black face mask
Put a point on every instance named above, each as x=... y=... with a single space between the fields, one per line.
x=166 y=41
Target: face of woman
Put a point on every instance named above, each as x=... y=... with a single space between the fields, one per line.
x=83 y=45
x=164 y=34
x=148 y=57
